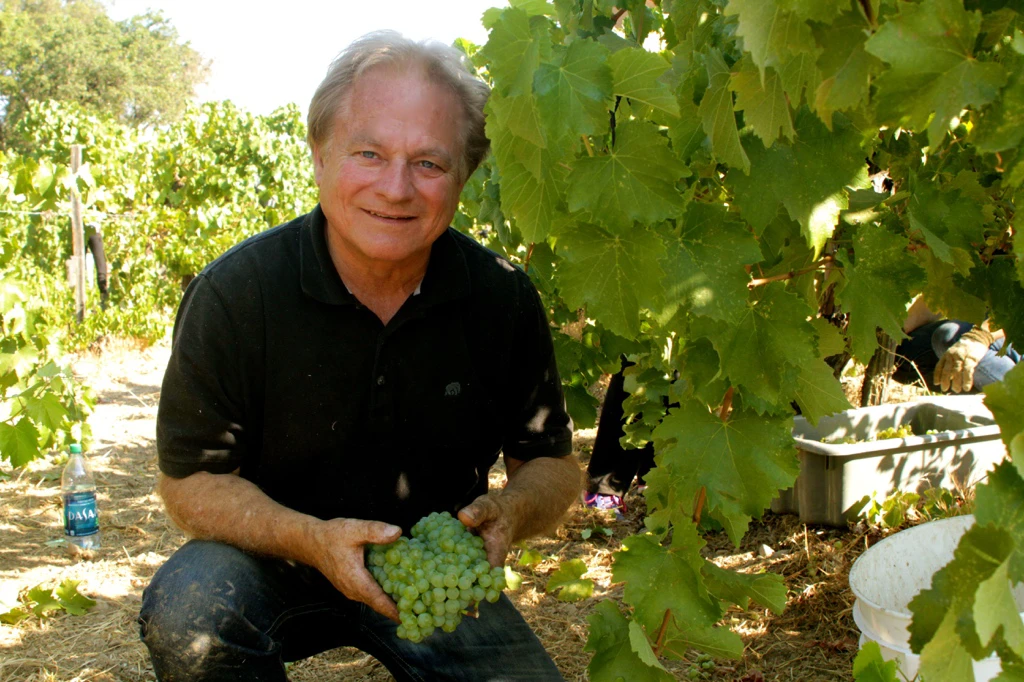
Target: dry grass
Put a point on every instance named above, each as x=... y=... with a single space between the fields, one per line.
x=815 y=639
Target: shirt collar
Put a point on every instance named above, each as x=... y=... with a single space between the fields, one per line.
x=447 y=275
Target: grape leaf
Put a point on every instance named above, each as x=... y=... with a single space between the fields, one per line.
x=534 y=7
x=659 y=580
x=518 y=115
x=951 y=597
x=566 y=583
x=706 y=267
x=532 y=202
x=1006 y=401
x=951 y=218
x=770 y=33
x=997 y=283
x=944 y=293
x=1001 y=126
x=642 y=646
x=800 y=73
x=809 y=177
x=762 y=101
x=71 y=600
x=932 y=73
x=765 y=589
x=516 y=46
x=46 y=410
x=636 y=73
x=995 y=611
x=823 y=11
x=818 y=392
x=19 y=443
x=742 y=462
x=574 y=89
x=830 y=340
x=846 y=68
x=43 y=601
x=716 y=113
x=1000 y=501
x=614 y=658
x=878 y=287
x=613 y=275
x=764 y=350
x=635 y=181
x=13 y=616
x=510 y=149
x=944 y=658
x=869 y=666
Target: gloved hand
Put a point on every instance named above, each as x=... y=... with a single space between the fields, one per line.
x=956 y=366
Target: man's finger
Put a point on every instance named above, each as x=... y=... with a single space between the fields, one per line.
x=379 y=533
x=478 y=512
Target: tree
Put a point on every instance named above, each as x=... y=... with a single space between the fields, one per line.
x=70 y=50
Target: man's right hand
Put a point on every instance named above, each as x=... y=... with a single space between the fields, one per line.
x=340 y=557
x=955 y=369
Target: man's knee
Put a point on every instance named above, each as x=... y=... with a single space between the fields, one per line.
x=194 y=616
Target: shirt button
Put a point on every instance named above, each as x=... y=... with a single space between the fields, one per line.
x=380 y=380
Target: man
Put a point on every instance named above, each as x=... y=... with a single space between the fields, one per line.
x=950 y=355
x=337 y=378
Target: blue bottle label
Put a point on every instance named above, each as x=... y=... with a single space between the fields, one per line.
x=80 y=518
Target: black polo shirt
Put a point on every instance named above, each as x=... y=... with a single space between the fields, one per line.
x=278 y=370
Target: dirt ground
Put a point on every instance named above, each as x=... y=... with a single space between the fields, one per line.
x=815 y=639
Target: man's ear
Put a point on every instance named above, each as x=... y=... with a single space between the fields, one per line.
x=318 y=163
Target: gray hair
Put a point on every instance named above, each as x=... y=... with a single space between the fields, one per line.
x=443 y=65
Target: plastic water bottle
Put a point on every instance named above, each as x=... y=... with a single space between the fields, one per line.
x=81 y=521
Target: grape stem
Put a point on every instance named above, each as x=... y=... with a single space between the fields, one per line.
x=661 y=633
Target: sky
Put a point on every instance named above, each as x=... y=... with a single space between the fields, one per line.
x=263 y=59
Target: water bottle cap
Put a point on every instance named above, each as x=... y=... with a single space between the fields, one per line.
x=75 y=449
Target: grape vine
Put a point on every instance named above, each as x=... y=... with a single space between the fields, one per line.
x=731 y=192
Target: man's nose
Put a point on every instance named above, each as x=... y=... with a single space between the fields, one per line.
x=395 y=182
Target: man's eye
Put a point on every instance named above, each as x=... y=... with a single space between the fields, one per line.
x=368 y=155
x=430 y=165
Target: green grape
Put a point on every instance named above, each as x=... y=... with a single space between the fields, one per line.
x=436 y=576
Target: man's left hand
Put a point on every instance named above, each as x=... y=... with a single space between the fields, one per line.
x=491 y=518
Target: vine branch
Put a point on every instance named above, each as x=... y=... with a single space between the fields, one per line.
x=761 y=281
x=529 y=254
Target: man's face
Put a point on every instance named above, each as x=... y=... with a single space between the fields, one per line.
x=388 y=177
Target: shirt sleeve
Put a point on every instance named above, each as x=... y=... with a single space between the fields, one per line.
x=203 y=409
x=538 y=425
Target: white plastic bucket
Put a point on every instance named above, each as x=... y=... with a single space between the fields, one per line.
x=886 y=577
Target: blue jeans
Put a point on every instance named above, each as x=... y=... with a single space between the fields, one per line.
x=213 y=612
x=929 y=342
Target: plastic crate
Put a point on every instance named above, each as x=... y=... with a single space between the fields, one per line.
x=835 y=478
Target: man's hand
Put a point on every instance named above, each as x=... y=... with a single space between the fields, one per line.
x=340 y=557
x=955 y=369
x=490 y=518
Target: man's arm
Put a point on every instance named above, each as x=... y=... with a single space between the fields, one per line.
x=532 y=502
x=230 y=509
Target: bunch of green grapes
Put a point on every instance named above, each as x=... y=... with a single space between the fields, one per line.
x=902 y=431
x=435 y=577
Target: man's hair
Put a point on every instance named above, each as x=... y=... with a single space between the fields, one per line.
x=443 y=65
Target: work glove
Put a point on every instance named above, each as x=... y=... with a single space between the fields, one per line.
x=956 y=366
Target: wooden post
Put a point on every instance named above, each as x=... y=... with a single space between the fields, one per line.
x=77 y=235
